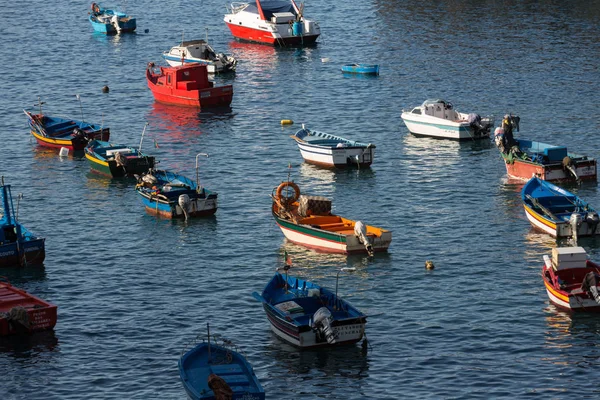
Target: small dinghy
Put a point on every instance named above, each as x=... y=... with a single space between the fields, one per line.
x=217 y=370
x=558 y=212
x=365 y=69
x=306 y=315
x=21 y=312
x=110 y=22
x=571 y=280
x=117 y=160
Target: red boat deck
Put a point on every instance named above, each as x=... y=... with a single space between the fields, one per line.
x=41 y=315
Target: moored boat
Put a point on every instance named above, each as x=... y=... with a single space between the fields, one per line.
x=187 y=85
x=308 y=221
x=116 y=160
x=571 y=280
x=171 y=195
x=56 y=132
x=365 y=69
x=214 y=369
x=438 y=119
x=18 y=246
x=110 y=21
x=274 y=22
x=328 y=150
x=199 y=51
x=527 y=158
x=307 y=315
x=21 y=312
x=557 y=211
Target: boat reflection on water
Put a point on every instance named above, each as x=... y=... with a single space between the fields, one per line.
x=259 y=55
x=322 y=181
x=30 y=346
x=178 y=121
x=18 y=276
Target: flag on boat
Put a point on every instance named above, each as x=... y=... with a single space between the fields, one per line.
x=287 y=259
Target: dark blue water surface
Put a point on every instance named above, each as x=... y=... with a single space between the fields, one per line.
x=132 y=289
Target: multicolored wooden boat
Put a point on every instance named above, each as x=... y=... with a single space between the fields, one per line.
x=116 y=160
x=365 y=69
x=558 y=212
x=572 y=281
x=171 y=195
x=307 y=315
x=59 y=132
x=527 y=158
x=214 y=369
x=21 y=312
x=18 y=246
x=307 y=221
x=187 y=85
x=332 y=151
x=109 y=21
x=274 y=22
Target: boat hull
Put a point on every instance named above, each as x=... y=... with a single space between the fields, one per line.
x=361 y=69
x=524 y=170
x=336 y=157
x=74 y=144
x=128 y=25
x=135 y=166
x=23 y=253
x=41 y=315
x=564 y=290
x=254 y=35
x=200 y=207
x=449 y=130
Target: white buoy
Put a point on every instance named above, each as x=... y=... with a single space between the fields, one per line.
x=63 y=152
x=325 y=59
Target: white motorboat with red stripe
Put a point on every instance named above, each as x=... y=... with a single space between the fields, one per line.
x=275 y=22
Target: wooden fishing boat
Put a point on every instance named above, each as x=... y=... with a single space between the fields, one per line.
x=365 y=69
x=199 y=51
x=571 y=280
x=56 y=132
x=217 y=370
x=306 y=315
x=171 y=195
x=527 y=158
x=110 y=21
x=274 y=22
x=187 y=85
x=116 y=160
x=328 y=150
x=438 y=119
x=558 y=212
x=18 y=246
x=21 y=312
x=307 y=221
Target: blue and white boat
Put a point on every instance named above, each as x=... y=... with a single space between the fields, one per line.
x=171 y=195
x=110 y=21
x=18 y=246
x=212 y=370
x=199 y=51
x=307 y=315
x=438 y=119
x=332 y=151
x=365 y=69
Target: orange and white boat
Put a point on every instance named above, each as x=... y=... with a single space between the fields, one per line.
x=308 y=221
x=571 y=280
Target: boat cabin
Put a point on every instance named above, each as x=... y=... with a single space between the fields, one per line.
x=194 y=49
x=186 y=77
x=437 y=108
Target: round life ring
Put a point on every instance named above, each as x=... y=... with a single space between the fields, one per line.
x=287 y=199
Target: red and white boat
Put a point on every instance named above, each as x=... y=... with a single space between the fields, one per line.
x=21 y=312
x=275 y=22
x=187 y=85
x=571 y=280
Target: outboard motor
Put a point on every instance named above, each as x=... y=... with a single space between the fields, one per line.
x=321 y=324
x=569 y=165
x=120 y=159
x=590 y=285
x=360 y=230
x=499 y=139
x=592 y=219
x=115 y=22
x=575 y=221
x=184 y=202
x=474 y=121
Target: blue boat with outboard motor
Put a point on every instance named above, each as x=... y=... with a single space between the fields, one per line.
x=18 y=246
x=217 y=370
x=365 y=69
x=305 y=314
x=171 y=195
x=109 y=21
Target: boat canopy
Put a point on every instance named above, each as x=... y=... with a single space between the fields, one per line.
x=271 y=7
x=431 y=102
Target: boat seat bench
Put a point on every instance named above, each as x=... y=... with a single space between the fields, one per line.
x=226 y=369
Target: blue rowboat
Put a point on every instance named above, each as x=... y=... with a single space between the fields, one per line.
x=306 y=315
x=212 y=370
x=171 y=195
x=18 y=246
x=557 y=211
x=367 y=69
x=116 y=160
x=110 y=22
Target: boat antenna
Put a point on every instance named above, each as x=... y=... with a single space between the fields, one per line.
x=19 y=197
x=182 y=34
x=80 y=106
x=206 y=36
x=337 y=277
x=197 y=174
x=142 y=138
x=208 y=337
x=39 y=104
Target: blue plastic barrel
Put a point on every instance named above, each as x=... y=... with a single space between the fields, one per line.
x=297 y=28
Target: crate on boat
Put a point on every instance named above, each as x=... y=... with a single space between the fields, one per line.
x=313 y=205
x=568 y=257
x=282 y=18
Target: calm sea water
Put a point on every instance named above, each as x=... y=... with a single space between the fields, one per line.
x=132 y=290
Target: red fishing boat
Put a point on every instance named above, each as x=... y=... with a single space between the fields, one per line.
x=187 y=85
x=21 y=312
